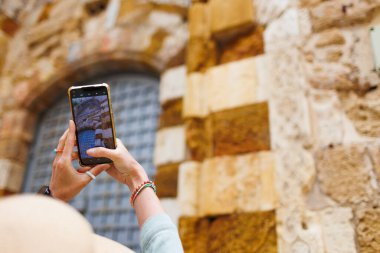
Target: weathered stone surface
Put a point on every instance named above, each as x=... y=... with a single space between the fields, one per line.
x=171 y=114
x=171 y=207
x=173 y=84
x=364 y=111
x=287 y=31
x=329 y=63
x=18 y=124
x=51 y=26
x=3 y=48
x=345 y=174
x=337 y=230
x=329 y=230
x=234 y=184
x=298 y=230
x=188 y=177
x=368 y=229
x=246 y=45
x=201 y=54
x=282 y=73
x=229 y=17
x=232 y=233
x=198 y=138
x=269 y=10
x=166 y=179
x=194 y=234
x=11 y=175
x=295 y=175
x=233 y=85
x=170 y=145
x=340 y=13
x=330 y=125
x=199 y=20
x=195 y=99
x=241 y=130
x=172 y=51
x=14 y=149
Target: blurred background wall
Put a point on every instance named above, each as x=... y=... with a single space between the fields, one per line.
x=259 y=120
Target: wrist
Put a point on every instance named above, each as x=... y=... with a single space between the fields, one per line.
x=136 y=177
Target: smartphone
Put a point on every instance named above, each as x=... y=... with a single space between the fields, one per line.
x=92 y=113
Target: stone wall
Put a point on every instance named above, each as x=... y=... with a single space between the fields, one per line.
x=268 y=139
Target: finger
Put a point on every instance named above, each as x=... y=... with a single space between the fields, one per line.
x=101 y=152
x=70 y=141
x=83 y=169
x=62 y=140
x=61 y=144
x=99 y=169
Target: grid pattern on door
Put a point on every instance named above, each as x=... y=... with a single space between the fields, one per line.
x=105 y=203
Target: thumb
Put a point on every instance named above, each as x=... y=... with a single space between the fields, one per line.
x=101 y=152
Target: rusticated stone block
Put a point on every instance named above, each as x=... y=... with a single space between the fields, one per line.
x=288 y=30
x=194 y=234
x=337 y=230
x=188 y=177
x=344 y=173
x=198 y=138
x=195 y=100
x=364 y=111
x=238 y=183
x=166 y=180
x=241 y=130
x=201 y=54
x=233 y=84
x=282 y=73
x=11 y=175
x=248 y=232
x=3 y=48
x=14 y=149
x=229 y=17
x=170 y=146
x=199 y=20
x=295 y=175
x=18 y=124
x=368 y=229
x=269 y=10
x=340 y=13
x=247 y=45
x=172 y=84
x=329 y=230
x=171 y=114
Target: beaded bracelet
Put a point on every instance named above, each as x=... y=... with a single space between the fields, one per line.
x=139 y=189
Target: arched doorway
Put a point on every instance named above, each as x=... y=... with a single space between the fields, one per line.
x=105 y=203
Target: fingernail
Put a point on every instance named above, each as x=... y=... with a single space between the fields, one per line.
x=90 y=151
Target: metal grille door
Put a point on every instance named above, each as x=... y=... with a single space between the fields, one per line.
x=105 y=203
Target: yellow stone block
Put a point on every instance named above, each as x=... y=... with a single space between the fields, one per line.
x=229 y=17
x=243 y=183
x=199 y=20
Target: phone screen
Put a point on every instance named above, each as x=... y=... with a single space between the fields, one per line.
x=93 y=121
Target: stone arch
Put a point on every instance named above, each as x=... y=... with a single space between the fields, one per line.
x=29 y=96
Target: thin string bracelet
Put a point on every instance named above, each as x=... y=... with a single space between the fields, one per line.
x=139 y=189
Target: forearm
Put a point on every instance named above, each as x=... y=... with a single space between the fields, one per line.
x=146 y=204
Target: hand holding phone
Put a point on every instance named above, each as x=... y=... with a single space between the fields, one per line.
x=92 y=113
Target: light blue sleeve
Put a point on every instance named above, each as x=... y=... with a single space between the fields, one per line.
x=160 y=235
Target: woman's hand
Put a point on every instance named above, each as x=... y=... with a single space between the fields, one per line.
x=125 y=168
x=66 y=182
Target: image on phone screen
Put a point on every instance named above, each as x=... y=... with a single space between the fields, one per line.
x=93 y=124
